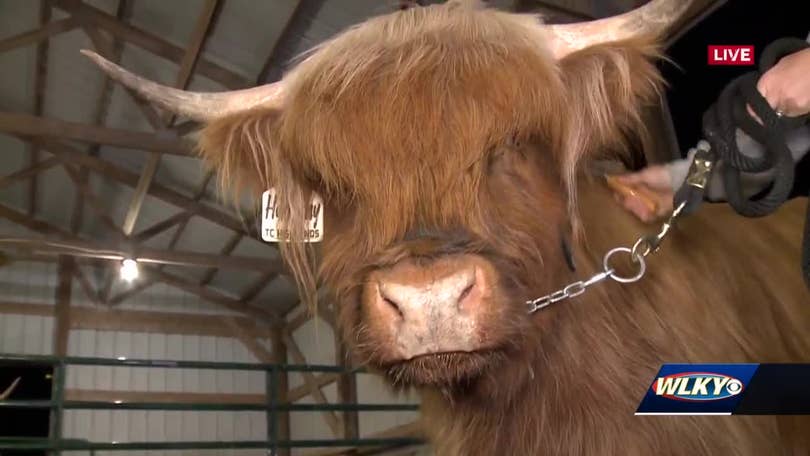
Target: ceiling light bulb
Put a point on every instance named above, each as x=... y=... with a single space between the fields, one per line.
x=129 y=270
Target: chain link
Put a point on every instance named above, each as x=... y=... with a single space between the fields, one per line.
x=644 y=245
x=571 y=290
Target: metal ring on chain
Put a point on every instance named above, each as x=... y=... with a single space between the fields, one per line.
x=779 y=113
x=642 y=266
x=644 y=242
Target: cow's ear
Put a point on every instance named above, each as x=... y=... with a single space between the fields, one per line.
x=607 y=86
x=242 y=149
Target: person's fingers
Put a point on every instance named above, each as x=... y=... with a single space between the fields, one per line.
x=786 y=86
x=639 y=209
x=642 y=202
x=665 y=205
x=627 y=179
x=769 y=91
x=631 y=191
x=656 y=177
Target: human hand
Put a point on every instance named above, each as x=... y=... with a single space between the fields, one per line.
x=786 y=86
x=647 y=193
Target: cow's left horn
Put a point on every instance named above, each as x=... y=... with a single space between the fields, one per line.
x=652 y=19
x=201 y=106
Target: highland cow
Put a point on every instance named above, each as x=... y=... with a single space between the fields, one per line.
x=452 y=147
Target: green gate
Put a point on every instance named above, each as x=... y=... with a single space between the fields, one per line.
x=55 y=443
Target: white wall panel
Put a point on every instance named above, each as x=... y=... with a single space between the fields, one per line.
x=371 y=389
x=163 y=425
x=26 y=334
x=316 y=340
x=12 y=336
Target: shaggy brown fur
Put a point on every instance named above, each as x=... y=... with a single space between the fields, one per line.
x=444 y=130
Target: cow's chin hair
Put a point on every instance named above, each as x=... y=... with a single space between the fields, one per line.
x=455 y=371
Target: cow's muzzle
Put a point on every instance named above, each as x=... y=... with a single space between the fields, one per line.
x=431 y=307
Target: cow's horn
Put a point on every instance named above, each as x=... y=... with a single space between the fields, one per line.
x=201 y=106
x=652 y=19
x=5 y=394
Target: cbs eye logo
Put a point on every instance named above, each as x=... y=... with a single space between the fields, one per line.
x=734 y=387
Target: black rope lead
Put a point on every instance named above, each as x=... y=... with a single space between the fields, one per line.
x=720 y=124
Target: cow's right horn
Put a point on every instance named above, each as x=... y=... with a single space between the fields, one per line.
x=653 y=19
x=200 y=106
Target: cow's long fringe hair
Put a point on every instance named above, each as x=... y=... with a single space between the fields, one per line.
x=440 y=80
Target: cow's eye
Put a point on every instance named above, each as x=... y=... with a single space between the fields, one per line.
x=503 y=159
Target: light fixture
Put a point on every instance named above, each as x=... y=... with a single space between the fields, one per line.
x=129 y=270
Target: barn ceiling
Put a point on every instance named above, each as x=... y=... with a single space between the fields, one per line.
x=79 y=153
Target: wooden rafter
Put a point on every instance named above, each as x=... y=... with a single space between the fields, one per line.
x=332 y=420
x=303 y=390
x=152 y=43
x=187 y=64
x=71 y=245
x=31 y=223
x=412 y=430
x=213 y=296
x=270 y=63
x=89 y=293
x=40 y=79
x=107 y=286
x=28 y=125
x=347 y=389
x=273 y=57
x=130 y=292
x=112 y=49
x=163 y=397
x=27 y=308
x=106 y=319
x=63 y=293
x=113 y=52
x=201 y=31
x=90 y=18
x=202 y=28
x=29 y=171
x=279 y=352
x=126 y=177
x=87 y=194
x=182 y=129
x=35 y=36
x=304 y=315
x=257 y=286
x=175 y=281
x=181 y=218
x=226 y=250
x=141 y=189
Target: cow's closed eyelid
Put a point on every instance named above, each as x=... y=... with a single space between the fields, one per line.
x=505 y=159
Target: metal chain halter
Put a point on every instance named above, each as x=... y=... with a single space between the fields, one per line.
x=643 y=246
x=697 y=179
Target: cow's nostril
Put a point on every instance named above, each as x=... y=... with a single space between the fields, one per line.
x=393 y=305
x=466 y=292
x=465 y=299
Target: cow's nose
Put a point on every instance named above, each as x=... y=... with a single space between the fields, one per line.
x=447 y=296
x=429 y=309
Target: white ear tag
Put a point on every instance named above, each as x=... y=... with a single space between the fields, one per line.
x=274 y=230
